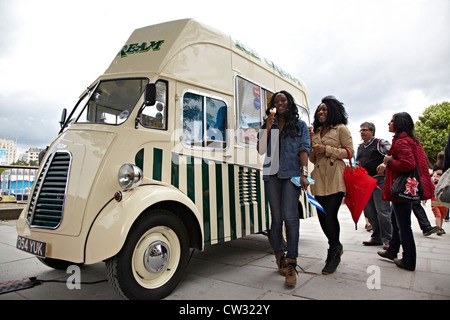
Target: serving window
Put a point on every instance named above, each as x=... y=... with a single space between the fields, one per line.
x=204 y=121
x=251 y=103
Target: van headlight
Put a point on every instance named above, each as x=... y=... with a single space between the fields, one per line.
x=130 y=176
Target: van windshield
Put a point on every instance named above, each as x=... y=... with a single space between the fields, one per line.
x=112 y=101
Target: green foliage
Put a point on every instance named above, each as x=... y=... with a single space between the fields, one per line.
x=20 y=163
x=432 y=129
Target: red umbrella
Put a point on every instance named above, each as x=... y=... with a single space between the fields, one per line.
x=359 y=188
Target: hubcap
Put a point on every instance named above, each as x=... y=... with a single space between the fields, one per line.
x=156 y=257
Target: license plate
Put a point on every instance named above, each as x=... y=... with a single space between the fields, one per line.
x=31 y=246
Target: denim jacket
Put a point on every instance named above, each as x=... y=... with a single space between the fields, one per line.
x=284 y=163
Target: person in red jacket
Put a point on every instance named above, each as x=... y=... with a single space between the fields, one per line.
x=405 y=153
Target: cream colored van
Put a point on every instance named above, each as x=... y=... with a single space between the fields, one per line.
x=158 y=157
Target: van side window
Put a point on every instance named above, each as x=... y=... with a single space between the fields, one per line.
x=204 y=121
x=155 y=117
x=251 y=101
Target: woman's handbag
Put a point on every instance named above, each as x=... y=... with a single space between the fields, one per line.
x=408 y=186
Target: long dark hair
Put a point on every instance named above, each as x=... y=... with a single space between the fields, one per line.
x=290 y=115
x=404 y=123
x=336 y=113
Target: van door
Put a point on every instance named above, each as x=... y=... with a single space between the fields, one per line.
x=204 y=152
x=155 y=127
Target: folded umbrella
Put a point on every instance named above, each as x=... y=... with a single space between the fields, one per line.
x=359 y=187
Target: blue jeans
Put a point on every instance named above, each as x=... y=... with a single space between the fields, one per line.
x=377 y=211
x=283 y=198
x=402 y=233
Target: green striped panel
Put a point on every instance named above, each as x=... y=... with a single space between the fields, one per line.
x=228 y=196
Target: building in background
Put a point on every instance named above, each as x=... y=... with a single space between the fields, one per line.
x=32 y=154
x=8 y=151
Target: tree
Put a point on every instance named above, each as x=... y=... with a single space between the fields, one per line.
x=433 y=128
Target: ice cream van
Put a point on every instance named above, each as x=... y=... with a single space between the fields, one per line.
x=158 y=158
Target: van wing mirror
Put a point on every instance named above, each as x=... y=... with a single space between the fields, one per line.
x=150 y=94
x=63 y=117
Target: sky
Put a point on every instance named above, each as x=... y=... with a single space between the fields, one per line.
x=378 y=57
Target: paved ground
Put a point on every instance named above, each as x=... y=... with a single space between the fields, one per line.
x=245 y=269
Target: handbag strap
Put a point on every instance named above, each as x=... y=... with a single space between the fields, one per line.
x=349 y=156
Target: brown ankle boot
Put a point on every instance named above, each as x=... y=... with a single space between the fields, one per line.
x=291 y=273
x=281 y=263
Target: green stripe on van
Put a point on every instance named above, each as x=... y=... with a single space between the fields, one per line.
x=175 y=174
x=219 y=202
x=258 y=192
x=190 y=178
x=139 y=159
x=206 y=206
x=231 y=189
x=157 y=164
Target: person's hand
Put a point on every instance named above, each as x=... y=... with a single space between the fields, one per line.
x=319 y=148
x=269 y=121
x=386 y=159
x=380 y=169
x=304 y=182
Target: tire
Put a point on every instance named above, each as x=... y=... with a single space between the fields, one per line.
x=153 y=259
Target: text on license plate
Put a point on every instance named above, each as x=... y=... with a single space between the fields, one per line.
x=32 y=246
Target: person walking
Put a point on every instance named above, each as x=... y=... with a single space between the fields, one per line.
x=405 y=154
x=329 y=138
x=370 y=156
x=446 y=165
x=285 y=141
x=439 y=211
x=422 y=219
x=446 y=162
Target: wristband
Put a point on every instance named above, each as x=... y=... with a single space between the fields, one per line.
x=304 y=171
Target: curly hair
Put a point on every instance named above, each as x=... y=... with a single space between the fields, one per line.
x=336 y=113
x=290 y=116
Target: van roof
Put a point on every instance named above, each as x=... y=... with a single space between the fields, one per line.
x=167 y=49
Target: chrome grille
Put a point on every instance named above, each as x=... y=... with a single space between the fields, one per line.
x=47 y=202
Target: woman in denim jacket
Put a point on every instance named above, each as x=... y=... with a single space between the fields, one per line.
x=329 y=139
x=285 y=140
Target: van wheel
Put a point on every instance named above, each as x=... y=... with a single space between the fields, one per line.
x=153 y=258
